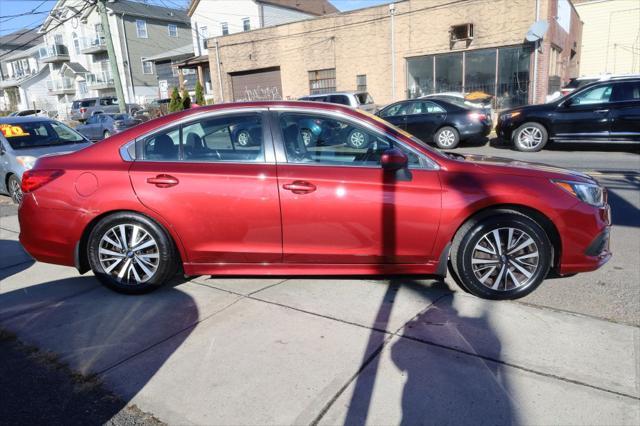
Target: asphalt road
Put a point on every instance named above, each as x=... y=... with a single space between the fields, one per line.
x=613 y=292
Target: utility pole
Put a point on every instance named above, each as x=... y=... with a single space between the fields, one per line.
x=392 y=12
x=102 y=10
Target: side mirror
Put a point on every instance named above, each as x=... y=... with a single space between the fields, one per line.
x=393 y=159
x=569 y=102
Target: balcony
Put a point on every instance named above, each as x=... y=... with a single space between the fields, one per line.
x=61 y=86
x=54 y=53
x=91 y=45
x=100 y=80
x=17 y=78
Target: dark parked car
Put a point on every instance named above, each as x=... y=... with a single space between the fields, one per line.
x=101 y=126
x=605 y=111
x=445 y=123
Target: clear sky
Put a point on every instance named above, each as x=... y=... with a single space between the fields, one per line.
x=34 y=11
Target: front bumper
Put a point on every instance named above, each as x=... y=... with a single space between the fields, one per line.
x=586 y=239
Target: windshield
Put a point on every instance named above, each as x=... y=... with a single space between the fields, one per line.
x=39 y=133
x=364 y=98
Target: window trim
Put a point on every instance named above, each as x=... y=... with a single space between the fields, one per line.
x=224 y=28
x=281 y=156
x=169 y=27
x=247 y=27
x=143 y=60
x=269 y=157
x=146 y=32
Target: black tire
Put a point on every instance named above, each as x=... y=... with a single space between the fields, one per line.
x=243 y=138
x=446 y=137
x=530 y=137
x=358 y=139
x=14 y=189
x=166 y=254
x=469 y=236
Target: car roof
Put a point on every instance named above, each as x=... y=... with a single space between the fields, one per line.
x=23 y=119
x=346 y=92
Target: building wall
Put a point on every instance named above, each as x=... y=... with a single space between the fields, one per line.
x=273 y=15
x=611 y=36
x=359 y=42
x=37 y=93
x=158 y=41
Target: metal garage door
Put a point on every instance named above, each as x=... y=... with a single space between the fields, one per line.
x=258 y=85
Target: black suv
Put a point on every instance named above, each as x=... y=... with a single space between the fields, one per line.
x=605 y=111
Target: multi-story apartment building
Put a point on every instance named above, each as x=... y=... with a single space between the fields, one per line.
x=215 y=18
x=23 y=77
x=75 y=48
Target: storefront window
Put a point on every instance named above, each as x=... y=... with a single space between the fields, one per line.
x=479 y=74
x=513 y=77
x=420 y=76
x=480 y=71
x=449 y=73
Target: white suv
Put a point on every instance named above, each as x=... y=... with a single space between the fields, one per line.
x=360 y=100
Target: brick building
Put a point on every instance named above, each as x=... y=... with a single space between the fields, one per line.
x=407 y=49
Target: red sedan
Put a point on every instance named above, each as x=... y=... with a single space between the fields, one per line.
x=182 y=192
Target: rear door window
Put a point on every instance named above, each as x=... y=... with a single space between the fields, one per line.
x=627 y=91
x=339 y=99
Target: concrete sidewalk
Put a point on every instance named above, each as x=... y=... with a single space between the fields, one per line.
x=324 y=351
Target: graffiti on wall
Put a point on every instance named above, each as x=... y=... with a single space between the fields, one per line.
x=259 y=93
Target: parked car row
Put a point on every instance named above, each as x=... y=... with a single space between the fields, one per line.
x=82 y=109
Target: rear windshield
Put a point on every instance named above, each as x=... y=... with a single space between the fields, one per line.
x=83 y=104
x=364 y=98
x=577 y=83
x=38 y=134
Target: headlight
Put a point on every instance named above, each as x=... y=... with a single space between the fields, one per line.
x=509 y=115
x=587 y=192
x=26 y=161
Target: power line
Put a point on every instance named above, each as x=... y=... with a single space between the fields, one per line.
x=27 y=43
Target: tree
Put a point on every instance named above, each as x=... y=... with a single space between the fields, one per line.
x=175 y=104
x=199 y=93
x=186 y=99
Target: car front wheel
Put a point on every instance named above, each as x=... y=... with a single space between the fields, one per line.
x=14 y=189
x=243 y=138
x=505 y=256
x=357 y=139
x=130 y=253
x=530 y=137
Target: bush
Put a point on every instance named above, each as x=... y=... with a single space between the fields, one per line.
x=186 y=99
x=199 y=94
x=175 y=104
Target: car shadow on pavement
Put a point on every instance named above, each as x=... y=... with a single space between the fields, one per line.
x=89 y=331
x=13 y=259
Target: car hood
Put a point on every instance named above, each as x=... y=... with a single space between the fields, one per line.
x=49 y=150
x=524 y=168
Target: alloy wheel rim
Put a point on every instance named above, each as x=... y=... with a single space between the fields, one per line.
x=530 y=137
x=446 y=138
x=129 y=254
x=357 y=139
x=243 y=138
x=505 y=259
x=15 y=191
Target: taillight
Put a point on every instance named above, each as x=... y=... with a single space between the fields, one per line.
x=477 y=116
x=34 y=179
x=83 y=110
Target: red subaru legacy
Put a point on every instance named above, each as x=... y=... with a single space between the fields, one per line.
x=300 y=188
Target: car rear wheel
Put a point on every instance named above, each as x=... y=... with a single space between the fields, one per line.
x=357 y=139
x=14 y=189
x=243 y=138
x=130 y=253
x=530 y=137
x=505 y=256
x=447 y=138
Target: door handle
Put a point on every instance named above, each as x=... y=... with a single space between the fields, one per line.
x=163 y=181
x=601 y=111
x=299 y=187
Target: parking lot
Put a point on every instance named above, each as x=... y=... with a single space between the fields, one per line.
x=341 y=350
